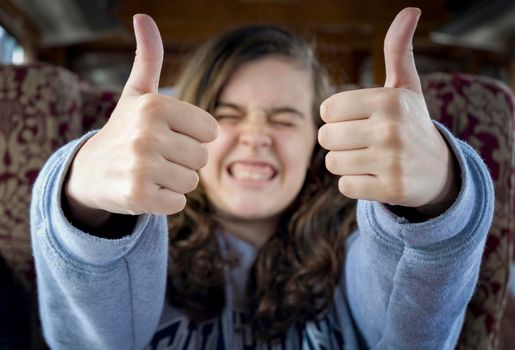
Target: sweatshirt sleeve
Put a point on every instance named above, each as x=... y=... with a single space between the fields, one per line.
x=94 y=293
x=408 y=284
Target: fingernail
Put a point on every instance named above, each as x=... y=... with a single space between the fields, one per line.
x=416 y=9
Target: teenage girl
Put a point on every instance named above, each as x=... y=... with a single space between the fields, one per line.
x=256 y=167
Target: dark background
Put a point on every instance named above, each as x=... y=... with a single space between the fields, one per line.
x=94 y=37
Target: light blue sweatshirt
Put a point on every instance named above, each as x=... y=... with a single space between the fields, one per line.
x=404 y=285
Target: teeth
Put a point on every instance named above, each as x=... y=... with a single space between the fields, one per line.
x=252 y=172
x=243 y=174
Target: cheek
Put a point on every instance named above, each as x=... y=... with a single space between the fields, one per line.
x=297 y=151
x=219 y=148
x=217 y=151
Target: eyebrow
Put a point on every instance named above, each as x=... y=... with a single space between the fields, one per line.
x=271 y=111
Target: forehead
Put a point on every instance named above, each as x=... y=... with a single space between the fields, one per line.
x=270 y=81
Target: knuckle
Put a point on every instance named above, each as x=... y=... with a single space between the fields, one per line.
x=138 y=168
x=134 y=196
x=139 y=140
x=138 y=175
x=177 y=145
x=148 y=103
x=207 y=124
x=391 y=135
x=395 y=166
x=390 y=100
x=392 y=163
x=395 y=190
x=142 y=141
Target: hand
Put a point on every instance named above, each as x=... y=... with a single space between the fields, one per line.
x=382 y=141
x=145 y=158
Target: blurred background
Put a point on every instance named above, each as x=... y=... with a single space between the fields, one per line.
x=94 y=37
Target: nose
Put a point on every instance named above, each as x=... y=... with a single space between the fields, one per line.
x=254 y=132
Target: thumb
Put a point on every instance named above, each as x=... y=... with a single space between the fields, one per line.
x=146 y=68
x=401 y=71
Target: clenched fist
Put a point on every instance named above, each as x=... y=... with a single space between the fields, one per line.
x=382 y=142
x=145 y=158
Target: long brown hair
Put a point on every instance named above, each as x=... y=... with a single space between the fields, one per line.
x=295 y=273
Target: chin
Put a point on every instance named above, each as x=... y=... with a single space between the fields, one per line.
x=252 y=214
x=243 y=212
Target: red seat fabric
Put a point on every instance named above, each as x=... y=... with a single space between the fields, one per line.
x=480 y=111
x=41 y=108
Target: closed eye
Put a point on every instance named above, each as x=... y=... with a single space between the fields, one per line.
x=283 y=123
x=284 y=119
x=231 y=118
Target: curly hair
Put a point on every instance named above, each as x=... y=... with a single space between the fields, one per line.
x=296 y=271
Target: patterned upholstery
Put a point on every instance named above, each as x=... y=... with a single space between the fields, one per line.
x=96 y=105
x=39 y=111
x=481 y=111
x=42 y=107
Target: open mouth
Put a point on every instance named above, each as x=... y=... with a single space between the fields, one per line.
x=252 y=171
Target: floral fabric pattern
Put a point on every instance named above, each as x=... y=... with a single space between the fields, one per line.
x=480 y=111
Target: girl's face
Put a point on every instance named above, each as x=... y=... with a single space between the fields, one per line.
x=258 y=163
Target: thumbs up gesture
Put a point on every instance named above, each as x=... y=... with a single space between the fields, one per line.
x=145 y=158
x=382 y=142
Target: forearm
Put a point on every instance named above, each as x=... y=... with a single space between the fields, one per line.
x=113 y=306
x=94 y=292
x=408 y=283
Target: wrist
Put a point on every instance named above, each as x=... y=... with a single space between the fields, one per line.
x=74 y=205
x=79 y=212
x=448 y=193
